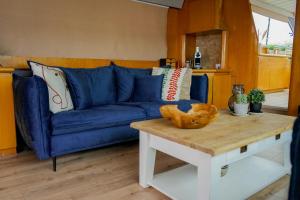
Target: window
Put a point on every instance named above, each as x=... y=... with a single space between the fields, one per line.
x=279 y=32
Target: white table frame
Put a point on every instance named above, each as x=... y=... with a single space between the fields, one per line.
x=208 y=168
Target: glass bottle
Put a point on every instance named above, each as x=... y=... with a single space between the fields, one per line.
x=197 y=58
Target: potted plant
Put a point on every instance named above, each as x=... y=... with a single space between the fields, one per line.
x=256 y=97
x=282 y=50
x=241 y=105
x=271 y=49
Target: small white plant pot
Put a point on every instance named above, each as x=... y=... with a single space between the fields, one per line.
x=241 y=109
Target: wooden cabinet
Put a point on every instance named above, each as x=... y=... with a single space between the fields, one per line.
x=220 y=84
x=232 y=17
x=203 y=15
x=7 y=117
x=273 y=72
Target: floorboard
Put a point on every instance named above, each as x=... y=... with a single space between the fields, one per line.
x=107 y=173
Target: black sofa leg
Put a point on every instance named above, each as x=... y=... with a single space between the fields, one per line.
x=54 y=163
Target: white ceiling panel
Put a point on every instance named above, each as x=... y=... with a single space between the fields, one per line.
x=282 y=8
x=166 y=3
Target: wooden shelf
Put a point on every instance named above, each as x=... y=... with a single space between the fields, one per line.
x=181 y=183
x=6 y=69
x=200 y=71
x=274 y=55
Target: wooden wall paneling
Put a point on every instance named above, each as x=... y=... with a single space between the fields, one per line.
x=21 y=62
x=234 y=17
x=182 y=27
x=195 y=16
x=204 y=15
x=190 y=46
x=222 y=85
x=7 y=117
x=263 y=80
x=280 y=71
x=294 y=97
x=224 y=49
x=173 y=50
x=219 y=86
x=273 y=72
x=242 y=56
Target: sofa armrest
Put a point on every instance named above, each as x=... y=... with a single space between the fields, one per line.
x=32 y=113
x=199 y=88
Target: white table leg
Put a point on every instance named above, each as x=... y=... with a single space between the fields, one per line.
x=147 y=160
x=286 y=157
x=209 y=175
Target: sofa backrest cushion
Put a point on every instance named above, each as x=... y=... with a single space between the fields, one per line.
x=125 y=81
x=59 y=94
x=147 y=88
x=199 y=88
x=91 y=87
x=176 y=83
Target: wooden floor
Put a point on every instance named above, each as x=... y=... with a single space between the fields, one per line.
x=109 y=173
x=277 y=99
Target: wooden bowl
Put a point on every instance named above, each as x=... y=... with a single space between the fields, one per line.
x=197 y=117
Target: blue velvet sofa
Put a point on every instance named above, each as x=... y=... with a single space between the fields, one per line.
x=52 y=135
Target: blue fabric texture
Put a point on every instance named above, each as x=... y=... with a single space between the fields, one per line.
x=152 y=108
x=95 y=138
x=125 y=81
x=199 y=88
x=96 y=118
x=147 y=88
x=32 y=113
x=294 y=192
x=91 y=87
x=57 y=134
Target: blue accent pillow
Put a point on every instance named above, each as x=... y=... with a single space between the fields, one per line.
x=91 y=87
x=199 y=88
x=147 y=88
x=125 y=81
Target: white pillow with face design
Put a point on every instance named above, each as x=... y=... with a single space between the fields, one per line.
x=59 y=94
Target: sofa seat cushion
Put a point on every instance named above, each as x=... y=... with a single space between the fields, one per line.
x=152 y=108
x=89 y=139
x=95 y=118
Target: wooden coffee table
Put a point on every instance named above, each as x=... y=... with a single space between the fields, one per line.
x=230 y=140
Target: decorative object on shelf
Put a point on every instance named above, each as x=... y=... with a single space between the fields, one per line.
x=241 y=105
x=256 y=97
x=188 y=64
x=218 y=66
x=197 y=59
x=168 y=62
x=197 y=117
x=236 y=89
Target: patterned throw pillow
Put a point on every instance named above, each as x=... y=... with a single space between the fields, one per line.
x=59 y=95
x=176 y=83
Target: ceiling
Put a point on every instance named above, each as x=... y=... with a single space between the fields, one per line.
x=165 y=3
x=278 y=9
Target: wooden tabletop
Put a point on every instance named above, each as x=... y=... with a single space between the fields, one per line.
x=224 y=134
